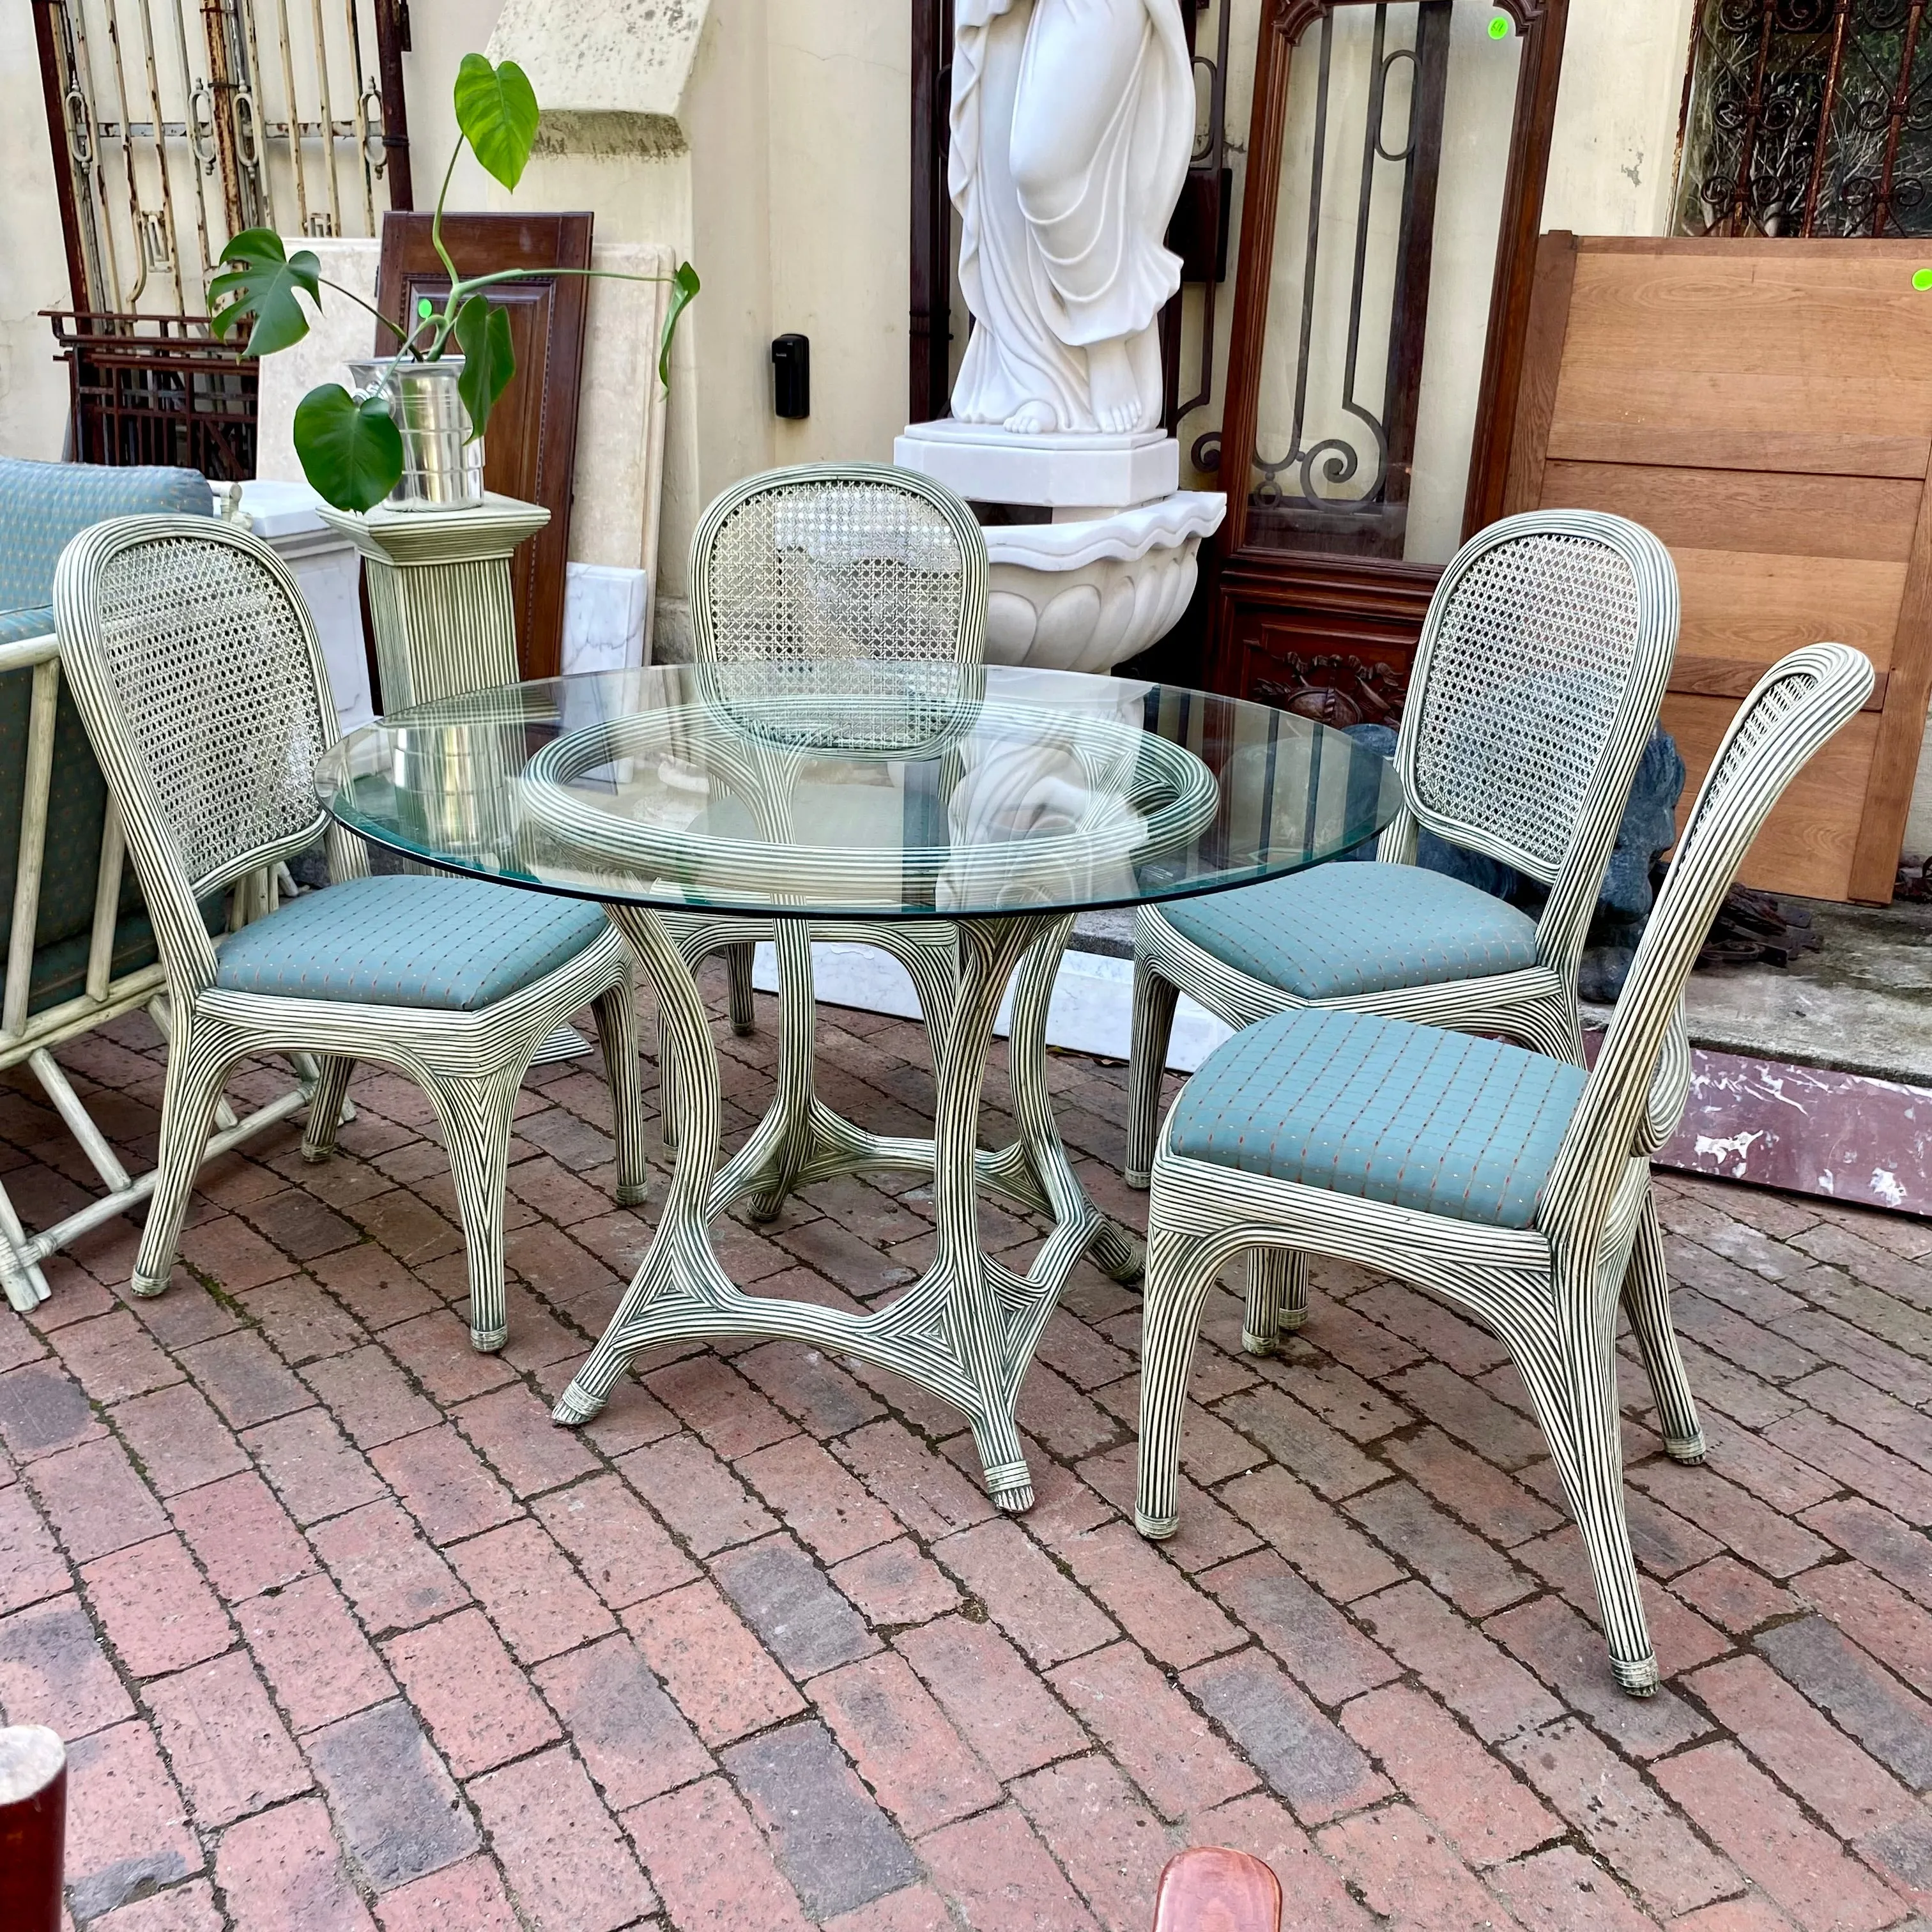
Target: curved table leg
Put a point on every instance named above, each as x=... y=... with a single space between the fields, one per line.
x=965 y=1331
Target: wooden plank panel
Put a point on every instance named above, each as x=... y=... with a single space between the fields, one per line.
x=1853 y=516
x=1807 y=844
x=1542 y=370
x=1760 y=326
x=1806 y=453
x=1755 y=607
x=1895 y=761
x=1737 y=677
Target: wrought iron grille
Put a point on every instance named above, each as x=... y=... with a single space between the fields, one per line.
x=1808 y=117
x=159 y=389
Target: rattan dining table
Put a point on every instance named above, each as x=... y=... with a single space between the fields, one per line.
x=831 y=800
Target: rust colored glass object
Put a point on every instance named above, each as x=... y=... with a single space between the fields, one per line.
x=1210 y=1888
x=33 y=1828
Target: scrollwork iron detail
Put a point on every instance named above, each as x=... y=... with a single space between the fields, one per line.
x=1808 y=117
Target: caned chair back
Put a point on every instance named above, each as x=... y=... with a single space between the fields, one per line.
x=196 y=669
x=1542 y=665
x=805 y=581
x=1795 y=708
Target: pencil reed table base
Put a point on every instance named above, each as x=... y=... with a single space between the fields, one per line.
x=967 y=1330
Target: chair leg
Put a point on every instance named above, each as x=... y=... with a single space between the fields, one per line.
x=1176 y=1284
x=476 y=1112
x=738 y=966
x=1574 y=1388
x=1277 y=1298
x=616 y=1013
x=1155 y=999
x=1647 y=1301
x=325 y=1107
x=197 y=1071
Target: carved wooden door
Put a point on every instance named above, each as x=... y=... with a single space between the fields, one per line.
x=530 y=449
x=1398 y=149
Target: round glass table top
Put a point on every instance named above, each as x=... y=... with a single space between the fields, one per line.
x=859 y=789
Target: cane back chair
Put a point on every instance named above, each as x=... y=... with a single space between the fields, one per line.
x=799 y=578
x=1536 y=686
x=1510 y=1183
x=197 y=672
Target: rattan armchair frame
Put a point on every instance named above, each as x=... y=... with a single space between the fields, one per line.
x=1549 y=1291
x=197 y=672
x=1596 y=596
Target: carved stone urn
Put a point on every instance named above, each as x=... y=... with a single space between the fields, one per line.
x=1089 y=594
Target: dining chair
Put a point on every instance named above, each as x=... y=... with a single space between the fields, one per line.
x=1510 y=1183
x=1535 y=688
x=197 y=672
x=799 y=578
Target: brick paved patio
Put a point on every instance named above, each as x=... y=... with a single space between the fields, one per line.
x=343 y=1634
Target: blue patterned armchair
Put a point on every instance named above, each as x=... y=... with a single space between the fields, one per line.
x=79 y=949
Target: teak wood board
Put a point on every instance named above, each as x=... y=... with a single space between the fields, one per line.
x=1765 y=407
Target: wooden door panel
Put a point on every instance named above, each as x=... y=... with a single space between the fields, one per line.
x=1871 y=518
x=1808 y=844
x=1765 y=407
x=530 y=446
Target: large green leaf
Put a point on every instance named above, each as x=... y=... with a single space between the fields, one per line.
x=262 y=283
x=497 y=109
x=489 y=361
x=684 y=285
x=351 y=451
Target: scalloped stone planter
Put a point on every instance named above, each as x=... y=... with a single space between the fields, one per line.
x=1089 y=596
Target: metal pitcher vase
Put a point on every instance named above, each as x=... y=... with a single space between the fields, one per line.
x=442 y=465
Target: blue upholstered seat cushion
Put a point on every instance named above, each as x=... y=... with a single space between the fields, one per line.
x=1341 y=930
x=455 y=944
x=1383 y=1110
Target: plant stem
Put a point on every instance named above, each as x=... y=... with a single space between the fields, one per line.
x=523 y=275
x=400 y=336
x=436 y=225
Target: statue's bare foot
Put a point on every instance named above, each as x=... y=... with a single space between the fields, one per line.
x=1034 y=419
x=1110 y=382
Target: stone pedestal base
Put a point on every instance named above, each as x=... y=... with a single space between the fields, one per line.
x=990 y=465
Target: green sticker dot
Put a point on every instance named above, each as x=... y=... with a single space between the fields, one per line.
x=425 y=308
x=1499 y=29
x=1923 y=279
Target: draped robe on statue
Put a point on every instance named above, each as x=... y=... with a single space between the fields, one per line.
x=1072 y=122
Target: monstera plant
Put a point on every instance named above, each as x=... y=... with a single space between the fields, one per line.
x=350 y=445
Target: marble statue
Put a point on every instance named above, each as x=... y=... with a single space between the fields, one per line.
x=1073 y=121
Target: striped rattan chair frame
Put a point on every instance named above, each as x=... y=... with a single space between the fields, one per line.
x=1460 y=756
x=197 y=672
x=928 y=950
x=1550 y=1291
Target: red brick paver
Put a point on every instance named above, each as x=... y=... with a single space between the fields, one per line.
x=345 y=1636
